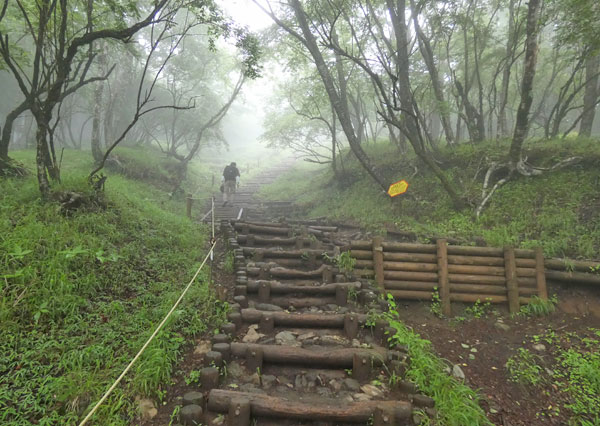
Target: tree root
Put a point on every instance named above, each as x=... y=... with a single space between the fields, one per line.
x=521 y=168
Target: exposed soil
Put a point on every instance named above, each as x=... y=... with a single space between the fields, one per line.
x=506 y=402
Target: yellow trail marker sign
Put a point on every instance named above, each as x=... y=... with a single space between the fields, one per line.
x=398 y=188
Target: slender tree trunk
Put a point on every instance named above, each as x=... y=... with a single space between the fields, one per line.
x=398 y=17
x=96 y=148
x=427 y=53
x=8 y=126
x=531 y=50
x=333 y=142
x=338 y=100
x=590 y=97
x=510 y=49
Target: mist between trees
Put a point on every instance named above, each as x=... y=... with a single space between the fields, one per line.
x=420 y=74
x=94 y=74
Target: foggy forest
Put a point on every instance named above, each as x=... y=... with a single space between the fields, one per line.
x=290 y=212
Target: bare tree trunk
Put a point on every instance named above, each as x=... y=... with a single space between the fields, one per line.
x=338 y=100
x=531 y=50
x=510 y=53
x=333 y=142
x=97 y=151
x=427 y=53
x=8 y=126
x=591 y=95
x=411 y=122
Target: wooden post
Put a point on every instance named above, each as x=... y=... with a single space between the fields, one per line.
x=239 y=412
x=540 y=274
x=377 y=248
x=512 y=283
x=443 y=284
x=189 y=203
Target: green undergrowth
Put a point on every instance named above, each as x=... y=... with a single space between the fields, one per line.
x=559 y=210
x=80 y=294
x=456 y=404
x=571 y=368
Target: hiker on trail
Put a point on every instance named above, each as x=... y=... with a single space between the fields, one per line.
x=231 y=177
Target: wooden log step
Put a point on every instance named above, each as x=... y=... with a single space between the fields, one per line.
x=409 y=285
x=366 y=272
x=322 y=409
x=317 y=356
x=526 y=272
x=279 y=272
x=295 y=273
x=477 y=279
x=266 y=241
x=360 y=263
x=410 y=257
x=410 y=276
x=409 y=247
x=567 y=264
x=573 y=277
x=288 y=263
x=257 y=223
x=361 y=245
x=411 y=294
x=269 y=230
x=303 y=320
x=285 y=254
x=410 y=266
x=361 y=254
x=301 y=302
x=476 y=260
x=279 y=288
x=476 y=270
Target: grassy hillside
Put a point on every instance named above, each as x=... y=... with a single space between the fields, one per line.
x=559 y=210
x=80 y=294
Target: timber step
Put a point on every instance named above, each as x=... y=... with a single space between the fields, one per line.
x=245 y=405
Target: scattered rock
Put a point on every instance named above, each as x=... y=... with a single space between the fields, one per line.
x=335 y=385
x=352 y=384
x=371 y=390
x=334 y=340
x=502 y=326
x=268 y=381
x=300 y=381
x=255 y=379
x=457 y=372
x=362 y=397
x=218 y=421
x=324 y=392
x=234 y=369
x=252 y=336
x=268 y=307
x=306 y=336
x=539 y=347
x=286 y=338
x=146 y=408
x=202 y=347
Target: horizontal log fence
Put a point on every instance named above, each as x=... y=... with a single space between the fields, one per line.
x=465 y=273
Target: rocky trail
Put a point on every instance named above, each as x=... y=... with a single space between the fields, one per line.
x=302 y=345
